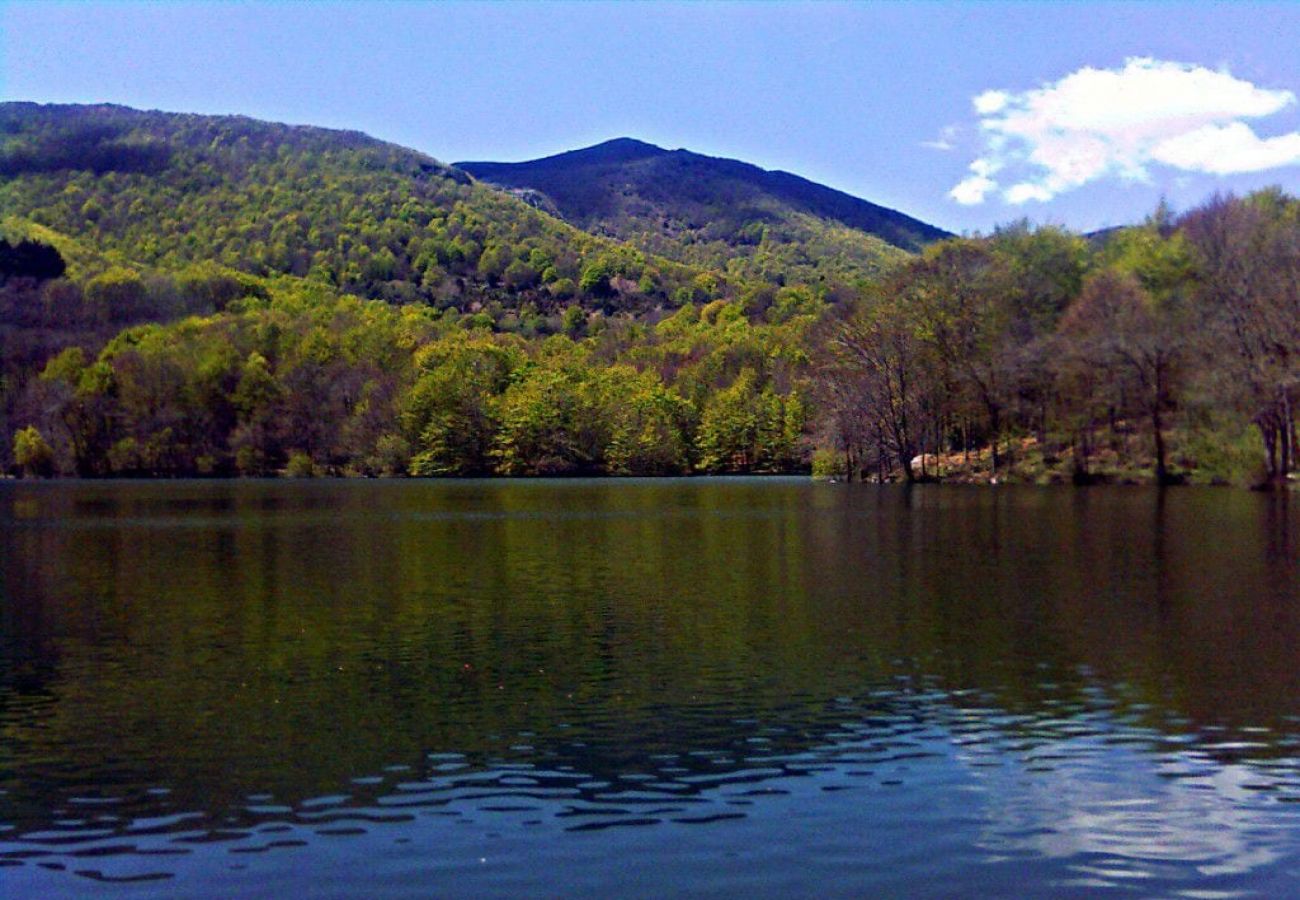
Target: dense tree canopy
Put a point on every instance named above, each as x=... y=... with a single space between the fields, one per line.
x=296 y=378
x=164 y=191
x=188 y=295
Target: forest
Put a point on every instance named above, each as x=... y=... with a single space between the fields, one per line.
x=1033 y=354
x=214 y=296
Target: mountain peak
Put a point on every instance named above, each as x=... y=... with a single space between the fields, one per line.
x=670 y=202
x=625 y=143
x=614 y=151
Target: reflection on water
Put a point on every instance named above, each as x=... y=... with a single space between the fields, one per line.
x=730 y=686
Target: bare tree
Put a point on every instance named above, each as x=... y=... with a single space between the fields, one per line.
x=1116 y=323
x=1248 y=252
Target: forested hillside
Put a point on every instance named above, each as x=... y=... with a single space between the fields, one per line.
x=194 y=253
x=193 y=295
x=162 y=191
x=718 y=213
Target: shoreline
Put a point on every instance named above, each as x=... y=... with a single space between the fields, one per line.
x=1292 y=484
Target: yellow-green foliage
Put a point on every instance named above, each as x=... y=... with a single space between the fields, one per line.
x=306 y=381
x=163 y=191
x=32 y=454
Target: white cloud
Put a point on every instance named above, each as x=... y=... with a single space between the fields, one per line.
x=1026 y=191
x=990 y=102
x=972 y=190
x=1226 y=149
x=978 y=184
x=1097 y=123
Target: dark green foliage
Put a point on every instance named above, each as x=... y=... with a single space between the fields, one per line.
x=97 y=146
x=30 y=259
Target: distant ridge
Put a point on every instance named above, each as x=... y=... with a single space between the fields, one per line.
x=621 y=186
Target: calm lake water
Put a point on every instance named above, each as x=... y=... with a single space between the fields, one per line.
x=722 y=687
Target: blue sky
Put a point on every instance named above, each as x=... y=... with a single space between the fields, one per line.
x=1088 y=112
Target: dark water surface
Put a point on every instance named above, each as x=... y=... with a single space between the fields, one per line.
x=725 y=688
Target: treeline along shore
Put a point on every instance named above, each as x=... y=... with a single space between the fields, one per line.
x=204 y=296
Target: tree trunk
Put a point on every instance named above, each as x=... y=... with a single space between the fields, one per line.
x=1268 y=436
x=995 y=422
x=1081 y=475
x=1157 y=427
x=907 y=467
x=1288 y=435
x=1291 y=427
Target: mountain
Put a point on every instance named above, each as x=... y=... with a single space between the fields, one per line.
x=709 y=211
x=162 y=191
x=179 y=296
x=625 y=226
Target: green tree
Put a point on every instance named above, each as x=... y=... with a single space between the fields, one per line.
x=451 y=412
x=743 y=428
x=649 y=424
x=117 y=295
x=595 y=278
x=32 y=454
x=574 y=320
x=551 y=424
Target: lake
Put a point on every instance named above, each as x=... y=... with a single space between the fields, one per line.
x=717 y=686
